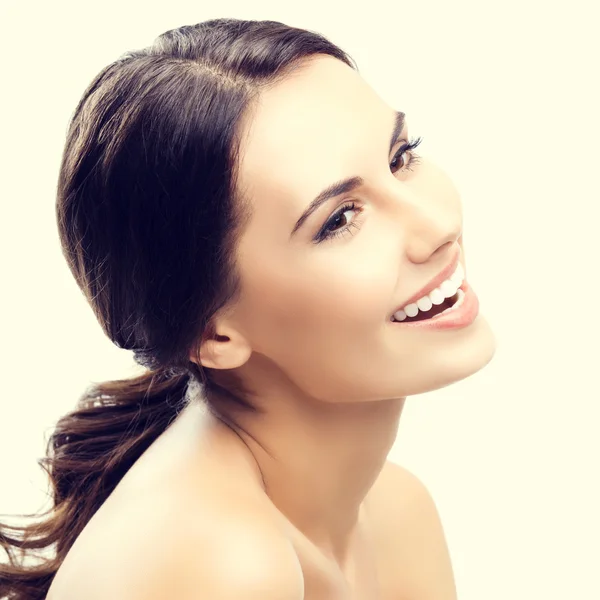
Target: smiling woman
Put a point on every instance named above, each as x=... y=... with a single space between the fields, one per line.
x=250 y=218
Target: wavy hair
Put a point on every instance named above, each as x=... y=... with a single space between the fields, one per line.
x=149 y=214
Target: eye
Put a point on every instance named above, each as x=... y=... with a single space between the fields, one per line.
x=329 y=230
x=413 y=158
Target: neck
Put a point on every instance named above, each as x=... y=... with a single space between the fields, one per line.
x=318 y=461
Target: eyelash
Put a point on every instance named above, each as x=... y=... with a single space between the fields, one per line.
x=326 y=234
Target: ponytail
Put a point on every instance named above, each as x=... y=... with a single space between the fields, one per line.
x=88 y=453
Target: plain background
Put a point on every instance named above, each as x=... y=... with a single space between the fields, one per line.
x=505 y=96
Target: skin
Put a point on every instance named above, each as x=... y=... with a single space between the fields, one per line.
x=310 y=336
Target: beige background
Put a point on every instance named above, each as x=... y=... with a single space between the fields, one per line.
x=506 y=98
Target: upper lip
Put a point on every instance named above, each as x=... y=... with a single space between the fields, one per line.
x=435 y=282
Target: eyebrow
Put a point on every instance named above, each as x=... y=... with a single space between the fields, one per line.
x=349 y=184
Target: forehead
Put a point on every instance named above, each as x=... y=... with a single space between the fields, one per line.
x=315 y=127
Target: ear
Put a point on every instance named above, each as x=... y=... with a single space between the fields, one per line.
x=226 y=349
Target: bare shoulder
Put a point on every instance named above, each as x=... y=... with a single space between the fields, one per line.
x=410 y=544
x=233 y=557
x=181 y=547
x=220 y=555
x=183 y=526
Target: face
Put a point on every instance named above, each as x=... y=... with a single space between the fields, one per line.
x=315 y=310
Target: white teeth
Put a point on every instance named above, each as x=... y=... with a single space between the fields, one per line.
x=446 y=290
x=437 y=297
x=411 y=310
x=424 y=303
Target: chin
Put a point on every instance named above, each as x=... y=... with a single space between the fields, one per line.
x=466 y=357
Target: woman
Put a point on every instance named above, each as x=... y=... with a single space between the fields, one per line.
x=244 y=212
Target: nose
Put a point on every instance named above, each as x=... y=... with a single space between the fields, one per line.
x=431 y=225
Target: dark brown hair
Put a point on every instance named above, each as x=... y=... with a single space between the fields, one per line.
x=148 y=215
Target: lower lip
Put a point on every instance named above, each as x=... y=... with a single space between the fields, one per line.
x=460 y=316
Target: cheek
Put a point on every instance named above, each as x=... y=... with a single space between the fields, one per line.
x=322 y=297
x=352 y=294
x=323 y=303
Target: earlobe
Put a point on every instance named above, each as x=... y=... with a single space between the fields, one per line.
x=211 y=354
x=224 y=352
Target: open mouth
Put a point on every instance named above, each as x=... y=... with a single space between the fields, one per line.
x=436 y=309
